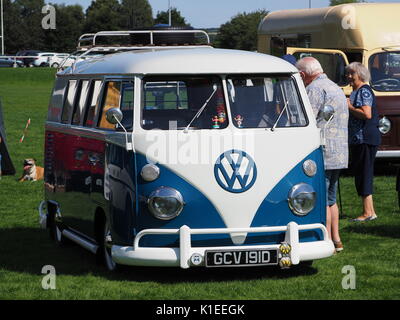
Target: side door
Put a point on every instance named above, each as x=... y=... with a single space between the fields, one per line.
x=332 y=61
x=113 y=176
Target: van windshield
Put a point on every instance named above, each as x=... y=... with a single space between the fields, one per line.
x=385 y=71
x=265 y=102
x=172 y=102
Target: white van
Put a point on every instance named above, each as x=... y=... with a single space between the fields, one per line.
x=185 y=158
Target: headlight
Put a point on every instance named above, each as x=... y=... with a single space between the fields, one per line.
x=302 y=198
x=310 y=168
x=165 y=203
x=384 y=125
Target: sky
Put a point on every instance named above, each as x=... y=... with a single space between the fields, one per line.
x=213 y=13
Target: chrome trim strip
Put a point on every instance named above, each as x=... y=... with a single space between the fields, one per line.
x=388 y=154
x=79 y=131
x=117 y=138
x=82 y=242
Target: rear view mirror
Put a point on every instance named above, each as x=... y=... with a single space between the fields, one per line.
x=114 y=116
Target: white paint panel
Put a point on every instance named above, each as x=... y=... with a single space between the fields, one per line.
x=275 y=154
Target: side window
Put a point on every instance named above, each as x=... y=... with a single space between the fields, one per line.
x=332 y=63
x=118 y=95
x=112 y=96
x=280 y=43
x=127 y=99
x=93 y=95
x=69 y=101
x=80 y=101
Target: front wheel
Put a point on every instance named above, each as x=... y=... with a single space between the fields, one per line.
x=104 y=251
x=55 y=231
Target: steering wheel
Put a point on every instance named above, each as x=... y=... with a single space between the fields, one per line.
x=389 y=81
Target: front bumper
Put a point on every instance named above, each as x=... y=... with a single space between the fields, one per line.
x=181 y=257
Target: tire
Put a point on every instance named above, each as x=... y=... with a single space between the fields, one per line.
x=55 y=65
x=55 y=230
x=104 y=250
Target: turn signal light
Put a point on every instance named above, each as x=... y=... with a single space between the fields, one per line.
x=285 y=248
x=285 y=263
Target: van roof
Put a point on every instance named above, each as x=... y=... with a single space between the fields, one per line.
x=376 y=25
x=182 y=61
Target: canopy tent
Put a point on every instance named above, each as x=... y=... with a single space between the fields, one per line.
x=7 y=167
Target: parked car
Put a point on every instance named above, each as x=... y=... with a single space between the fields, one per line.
x=55 y=60
x=28 y=62
x=43 y=59
x=9 y=62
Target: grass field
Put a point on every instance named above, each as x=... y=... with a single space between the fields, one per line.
x=371 y=248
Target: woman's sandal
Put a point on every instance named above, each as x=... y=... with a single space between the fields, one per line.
x=338 y=246
x=363 y=218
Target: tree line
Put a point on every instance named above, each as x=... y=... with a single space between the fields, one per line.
x=23 y=23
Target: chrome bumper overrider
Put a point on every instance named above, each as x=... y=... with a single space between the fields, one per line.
x=181 y=257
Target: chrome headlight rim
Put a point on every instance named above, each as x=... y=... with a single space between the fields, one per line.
x=165 y=192
x=295 y=192
x=385 y=125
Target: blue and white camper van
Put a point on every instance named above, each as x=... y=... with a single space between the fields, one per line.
x=186 y=157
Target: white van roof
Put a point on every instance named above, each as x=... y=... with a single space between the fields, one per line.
x=182 y=61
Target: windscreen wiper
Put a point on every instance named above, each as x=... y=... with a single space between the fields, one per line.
x=280 y=115
x=215 y=87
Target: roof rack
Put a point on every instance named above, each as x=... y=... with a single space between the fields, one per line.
x=155 y=37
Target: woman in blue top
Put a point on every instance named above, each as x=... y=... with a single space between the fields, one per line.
x=364 y=135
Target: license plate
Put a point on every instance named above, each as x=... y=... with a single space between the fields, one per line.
x=235 y=258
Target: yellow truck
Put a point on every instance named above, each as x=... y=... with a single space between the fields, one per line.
x=365 y=32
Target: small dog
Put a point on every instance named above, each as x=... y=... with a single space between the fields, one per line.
x=31 y=171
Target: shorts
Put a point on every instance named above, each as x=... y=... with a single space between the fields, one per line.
x=331 y=178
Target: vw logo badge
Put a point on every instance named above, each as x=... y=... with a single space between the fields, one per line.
x=235 y=171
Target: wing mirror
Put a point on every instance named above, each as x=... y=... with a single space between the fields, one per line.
x=326 y=113
x=114 y=116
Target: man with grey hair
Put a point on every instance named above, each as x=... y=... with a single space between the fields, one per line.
x=323 y=92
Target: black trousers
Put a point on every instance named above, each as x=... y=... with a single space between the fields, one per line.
x=362 y=157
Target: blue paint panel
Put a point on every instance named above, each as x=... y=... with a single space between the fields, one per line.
x=122 y=194
x=274 y=210
x=200 y=213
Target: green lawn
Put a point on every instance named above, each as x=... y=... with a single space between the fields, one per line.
x=372 y=248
